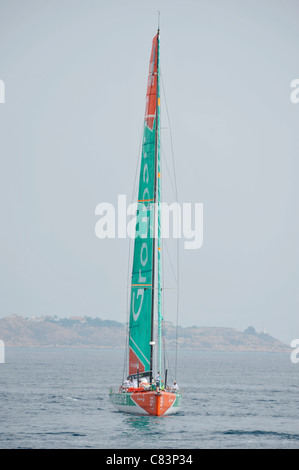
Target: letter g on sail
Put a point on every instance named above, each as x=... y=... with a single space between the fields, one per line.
x=140 y=292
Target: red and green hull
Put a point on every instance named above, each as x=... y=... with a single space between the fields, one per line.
x=147 y=402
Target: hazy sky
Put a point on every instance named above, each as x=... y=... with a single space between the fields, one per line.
x=75 y=77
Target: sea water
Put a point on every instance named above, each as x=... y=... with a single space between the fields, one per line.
x=59 y=398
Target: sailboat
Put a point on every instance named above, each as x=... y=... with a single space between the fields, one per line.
x=145 y=392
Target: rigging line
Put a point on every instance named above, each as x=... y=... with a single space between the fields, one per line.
x=164 y=328
x=171 y=139
x=167 y=363
x=176 y=288
x=168 y=171
x=125 y=365
x=177 y=315
x=177 y=312
x=166 y=357
x=165 y=351
x=164 y=244
x=173 y=271
x=178 y=252
x=163 y=282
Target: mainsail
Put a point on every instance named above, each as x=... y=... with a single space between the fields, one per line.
x=146 y=397
x=142 y=286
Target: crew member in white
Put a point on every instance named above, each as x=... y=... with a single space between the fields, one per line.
x=126 y=383
x=175 y=387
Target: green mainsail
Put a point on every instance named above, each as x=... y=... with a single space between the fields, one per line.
x=143 y=278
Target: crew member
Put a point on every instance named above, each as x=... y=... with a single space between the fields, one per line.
x=175 y=387
x=158 y=378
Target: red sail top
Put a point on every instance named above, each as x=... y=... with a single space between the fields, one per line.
x=151 y=95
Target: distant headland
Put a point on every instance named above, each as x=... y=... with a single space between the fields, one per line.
x=83 y=332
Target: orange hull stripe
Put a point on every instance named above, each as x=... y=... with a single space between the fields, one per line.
x=152 y=403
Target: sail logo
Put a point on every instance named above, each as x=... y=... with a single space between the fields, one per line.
x=2 y=92
x=140 y=292
x=187 y=222
x=294 y=96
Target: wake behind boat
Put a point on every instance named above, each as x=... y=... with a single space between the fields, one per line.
x=145 y=392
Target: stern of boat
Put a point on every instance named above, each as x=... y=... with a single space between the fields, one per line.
x=154 y=403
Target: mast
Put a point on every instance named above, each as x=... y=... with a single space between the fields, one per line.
x=159 y=205
x=157 y=195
